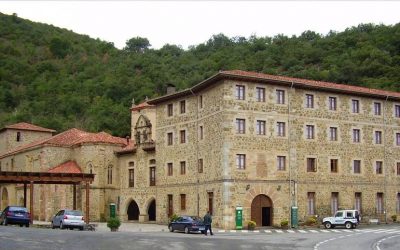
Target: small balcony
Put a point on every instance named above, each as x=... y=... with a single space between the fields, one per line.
x=148 y=146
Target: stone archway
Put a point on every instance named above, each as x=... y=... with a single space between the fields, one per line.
x=133 y=211
x=262 y=210
x=151 y=211
x=4 y=198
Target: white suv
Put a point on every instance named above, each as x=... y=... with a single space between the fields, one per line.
x=347 y=218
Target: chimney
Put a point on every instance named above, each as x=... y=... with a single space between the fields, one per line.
x=170 y=88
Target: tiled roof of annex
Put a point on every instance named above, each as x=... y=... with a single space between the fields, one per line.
x=66 y=167
x=27 y=126
x=70 y=138
x=142 y=105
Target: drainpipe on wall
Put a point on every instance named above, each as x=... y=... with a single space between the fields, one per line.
x=291 y=203
x=384 y=159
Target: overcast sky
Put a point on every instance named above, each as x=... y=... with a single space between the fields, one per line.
x=192 y=22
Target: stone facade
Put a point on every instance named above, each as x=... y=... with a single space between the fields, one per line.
x=230 y=187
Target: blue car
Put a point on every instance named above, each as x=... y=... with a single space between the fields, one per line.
x=187 y=224
x=15 y=215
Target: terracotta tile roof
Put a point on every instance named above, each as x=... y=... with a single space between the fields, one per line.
x=312 y=83
x=67 y=167
x=140 y=106
x=130 y=148
x=70 y=138
x=284 y=80
x=27 y=126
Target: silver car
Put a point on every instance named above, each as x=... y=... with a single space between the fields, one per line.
x=68 y=219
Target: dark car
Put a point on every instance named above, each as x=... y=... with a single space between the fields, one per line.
x=187 y=224
x=15 y=215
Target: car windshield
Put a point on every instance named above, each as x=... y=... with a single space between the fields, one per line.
x=18 y=209
x=73 y=212
x=196 y=218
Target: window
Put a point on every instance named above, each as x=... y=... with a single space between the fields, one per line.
x=260 y=94
x=131 y=177
x=334 y=202
x=356 y=135
x=170 y=167
x=260 y=127
x=378 y=137
x=131 y=164
x=309 y=101
x=377 y=108
x=152 y=176
x=311 y=165
x=333 y=134
x=170 y=206
x=398 y=168
x=378 y=167
x=398 y=203
x=334 y=165
x=310 y=131
x=280 y=127
x=281 y=163
x=170 y=109
x=170 y=139
x=355 y=106
x=397 y=110
x=183 y=106
x=109 y=175
x=240 y=161
x=240 y=126
x=311 y=203
x=332 y=103
x=211 y=202
x=183 y=167
x=280 y=96
x=357 y=201
x=18 y=136
x=152 y=161
x=201 y=133
x=240 y=92
x=183 y=201
x=357 y=166
x=183 y=136
x=201 y=101
x=379 y=203
x=397 y=139
x=200 y=166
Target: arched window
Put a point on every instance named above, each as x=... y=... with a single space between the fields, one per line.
x=109 y=175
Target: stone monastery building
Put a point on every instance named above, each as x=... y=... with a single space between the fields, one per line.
x=237 y=139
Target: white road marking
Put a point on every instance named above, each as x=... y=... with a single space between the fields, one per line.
x=279 y=231
x=313 y=231
x=303 y=231
x=267 y=231
x=324 y=231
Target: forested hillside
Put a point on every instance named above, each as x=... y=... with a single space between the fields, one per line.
x=55 y=78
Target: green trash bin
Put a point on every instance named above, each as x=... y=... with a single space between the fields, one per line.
x=294 y=218
x=112 y=210
x=239 y=218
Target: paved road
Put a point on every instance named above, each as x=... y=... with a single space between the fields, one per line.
x=379 y=238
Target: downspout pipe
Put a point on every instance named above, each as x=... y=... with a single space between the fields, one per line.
x=385 y=159
x=291 y=203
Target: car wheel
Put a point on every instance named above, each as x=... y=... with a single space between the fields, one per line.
x=187 y=230
x=348 y=225
x=328 y=225
x=61 y=225
x=171 y=229
x=20 y=225
x=71 y=228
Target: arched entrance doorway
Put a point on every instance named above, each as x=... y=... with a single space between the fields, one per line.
x=133 y=211
x=152 y=211
x=261 y=210
x=4 y=198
